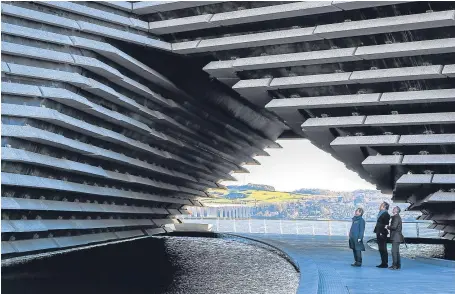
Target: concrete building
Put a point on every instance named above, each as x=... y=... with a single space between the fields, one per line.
x=117 y=116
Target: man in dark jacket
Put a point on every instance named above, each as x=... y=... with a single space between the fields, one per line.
x=381 y=233
x=396 y=237
x=356 y=236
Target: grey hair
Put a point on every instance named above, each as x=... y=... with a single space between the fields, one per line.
x=361 y=210
x=398 y=209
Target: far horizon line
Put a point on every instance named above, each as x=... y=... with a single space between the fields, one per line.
x=360 y=189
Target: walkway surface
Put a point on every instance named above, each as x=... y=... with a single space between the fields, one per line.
x=324 y=263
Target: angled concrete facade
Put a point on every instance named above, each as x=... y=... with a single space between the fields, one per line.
x=117 y=116
x=98 y=145
x=376 y=92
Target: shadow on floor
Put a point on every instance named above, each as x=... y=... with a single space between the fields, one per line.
x=96 y=270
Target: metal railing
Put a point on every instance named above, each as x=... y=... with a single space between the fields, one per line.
x=308 y=227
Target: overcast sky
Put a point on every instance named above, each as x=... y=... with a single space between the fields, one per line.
x=299 y=164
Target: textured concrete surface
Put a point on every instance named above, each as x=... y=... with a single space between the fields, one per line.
x=332 y=257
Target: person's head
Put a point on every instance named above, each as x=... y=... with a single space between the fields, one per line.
x=359 y=211
x=396 y=210
x=384 y=206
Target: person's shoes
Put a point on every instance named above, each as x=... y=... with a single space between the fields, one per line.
x=394 y=268
x=356 y=264
x=383 y=266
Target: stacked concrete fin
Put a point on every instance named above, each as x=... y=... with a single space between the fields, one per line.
x=369 y=82
x=96 y=145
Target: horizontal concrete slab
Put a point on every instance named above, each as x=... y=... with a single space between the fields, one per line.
x=99 y=47
x=383 y=160
x=253 y=83
x=20 y=89
x=84 y=239
x=129 y=234
x=272 y=12
x=443 y=179
x=295 y=59
x=126 y=36
x=79 y=126
x=5 y=67
x=381 y=140
x=7 y=226
x=324 y=101
x=7 y=248
x=411 y=119
x=34 y=244
x=443 y=95
x=220 y=69
x=449 y=70
x=90 y=85
x=183 y=24
x=414 y=179
x=287 y=10
x=439 y=46
x=122 y=5
x=34 y=34
x=45 y=183
x=311 y=81
x=96 y=13
x=441 y=197
x=432 y=159
x=49 y=74
x=346 y=78
x=152 y=232
x=351 y=5
x=248 y=40
x=147 y=7
x=18 y=155
x=328 y=122
x=430 y=139
x=45 y=137
x=36 y=53
x=397 y=74
x=40 y=17
x=125 y=60
x=426 y=47
x=386 y=25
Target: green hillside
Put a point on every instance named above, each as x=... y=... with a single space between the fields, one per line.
x=246 y=195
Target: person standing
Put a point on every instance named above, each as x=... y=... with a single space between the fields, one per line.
x=356 y=236
x=381 y=233
x=396 y=237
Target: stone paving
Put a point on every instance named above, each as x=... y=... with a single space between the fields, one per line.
x=324 y=263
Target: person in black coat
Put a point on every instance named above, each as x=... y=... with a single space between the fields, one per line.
x=381 y=233
x=356 y=236
x=396 y=237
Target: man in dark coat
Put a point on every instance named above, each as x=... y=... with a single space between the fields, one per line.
x=356 y=236
x=396 y=237
x=381 y=233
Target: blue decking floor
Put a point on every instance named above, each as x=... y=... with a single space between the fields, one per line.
x=324 y=264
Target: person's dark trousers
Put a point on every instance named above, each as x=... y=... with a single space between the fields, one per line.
x=382 y=244
x=396 y=254
x=357 y=256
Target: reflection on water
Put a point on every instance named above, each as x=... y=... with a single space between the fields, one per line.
x=307 y=227
x=157 y=265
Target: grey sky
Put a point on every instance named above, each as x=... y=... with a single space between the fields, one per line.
x=299 y=164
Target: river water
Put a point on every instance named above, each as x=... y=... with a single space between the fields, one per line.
x=157 y=265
